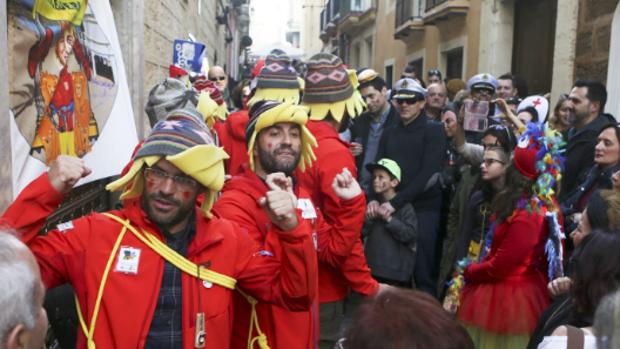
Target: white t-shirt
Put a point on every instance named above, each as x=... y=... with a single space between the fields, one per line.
x=560 y=342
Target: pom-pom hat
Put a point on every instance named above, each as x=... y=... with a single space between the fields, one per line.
x=277 y=80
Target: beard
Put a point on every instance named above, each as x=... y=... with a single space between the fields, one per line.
x=166 y=219
x=270 y=163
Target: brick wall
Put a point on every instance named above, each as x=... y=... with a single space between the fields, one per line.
x=593 y=38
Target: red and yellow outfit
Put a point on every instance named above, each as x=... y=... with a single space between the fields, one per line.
x=231 y=134
x=239 y=203
x=79 y=251
x=332 y=155
x=506 y=292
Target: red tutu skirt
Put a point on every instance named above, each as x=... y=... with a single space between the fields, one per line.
x=511 y=306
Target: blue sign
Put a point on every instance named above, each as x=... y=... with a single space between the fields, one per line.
x=188 y=55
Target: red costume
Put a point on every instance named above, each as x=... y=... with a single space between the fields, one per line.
x=332 y=156
x=239 y=203
x=232 y=138
x=507 y=292
x=78 y=252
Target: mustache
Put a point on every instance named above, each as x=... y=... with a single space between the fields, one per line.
x=165 y=198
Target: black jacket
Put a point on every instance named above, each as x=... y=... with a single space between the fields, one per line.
x=596 y=179
x=390 y=248
x=360 y=128
x=419 y=148
x=580 y=153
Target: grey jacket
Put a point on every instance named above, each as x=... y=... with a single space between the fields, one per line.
x=390 y=248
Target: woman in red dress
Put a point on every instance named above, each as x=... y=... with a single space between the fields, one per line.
x=506 y=290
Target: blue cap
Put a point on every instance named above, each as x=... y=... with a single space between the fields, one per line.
x=483 y=80
x=408 y=88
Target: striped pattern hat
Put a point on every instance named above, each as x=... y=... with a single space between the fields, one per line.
x=277 y=80
x=184 y=140
x=167 y=96
x=331 y=89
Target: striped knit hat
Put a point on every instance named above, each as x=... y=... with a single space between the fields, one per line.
x=210 y=101
x=184 y=140
x=331 y=89
x=265 y=114
x=167 y=96
x=277 y=80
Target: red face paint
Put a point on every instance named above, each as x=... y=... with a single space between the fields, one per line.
x=186 y=195
x=269 y=146
x=150 y=184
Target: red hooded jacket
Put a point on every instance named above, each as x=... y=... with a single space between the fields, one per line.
x=232 y=137
x=77 y=252
x=333 y=156
x=239 y=203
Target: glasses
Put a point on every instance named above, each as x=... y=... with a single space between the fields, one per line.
x=217 y=78
x=158 y=177
x=409 y=101
x=482 y=91
x=434 y=72
x=488 y=162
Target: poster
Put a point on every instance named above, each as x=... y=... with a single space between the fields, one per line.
x=68 y=92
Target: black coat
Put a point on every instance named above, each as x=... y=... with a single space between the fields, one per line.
x=419 y=148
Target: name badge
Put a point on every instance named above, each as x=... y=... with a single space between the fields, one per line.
x=128 y=260
x=307 y=209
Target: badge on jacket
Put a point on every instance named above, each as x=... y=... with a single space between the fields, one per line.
x=128 y=260
x=307 y=208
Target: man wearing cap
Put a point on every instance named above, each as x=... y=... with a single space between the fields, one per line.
x=331 y=95
x=366 y=129
x=418 y=145
x=277 y=80
x=278 y=143
x=161 y=272
x=482 y=87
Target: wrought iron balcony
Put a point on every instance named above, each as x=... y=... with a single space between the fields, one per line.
x=408 y=18
x=438 y=10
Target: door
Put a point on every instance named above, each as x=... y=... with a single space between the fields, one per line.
x=534 y=39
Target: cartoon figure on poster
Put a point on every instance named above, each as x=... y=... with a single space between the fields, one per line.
x=65 y=123
x=70 y=69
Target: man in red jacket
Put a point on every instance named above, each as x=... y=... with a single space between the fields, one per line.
x=332 y=96
x=277 y=141
x=161 y=272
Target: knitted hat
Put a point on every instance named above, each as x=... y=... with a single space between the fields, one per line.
x=184 y=140
x=210 y=101
x=408 y=88
x=265 y=114
x=277 y=80
x=331 y=89
x=169 y=95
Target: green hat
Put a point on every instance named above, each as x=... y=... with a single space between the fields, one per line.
x=386 y=164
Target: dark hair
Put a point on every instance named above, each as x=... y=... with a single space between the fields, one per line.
x=434 y=72
x=532 y=111
x=237 y=93
x=378 y=83
x=596 y=272
x=505 y=137
x=510 y=77
x=516 y=187
x=410 y=68
x=596 y=91
x=615 y=126
x=405 y=319
x=603 y=209
x=521 y=85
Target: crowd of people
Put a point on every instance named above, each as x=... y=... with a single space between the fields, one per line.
x=325 y=209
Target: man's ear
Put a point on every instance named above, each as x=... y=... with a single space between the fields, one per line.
x=17 y=338
x=394 y=182
x=595 y=106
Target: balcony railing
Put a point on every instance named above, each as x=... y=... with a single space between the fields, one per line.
x=432 y=3
x=407 y=10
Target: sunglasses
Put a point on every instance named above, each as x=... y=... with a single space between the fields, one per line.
x=409 y=101
x=217 y=78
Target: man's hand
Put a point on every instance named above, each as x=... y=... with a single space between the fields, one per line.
x=372 y=209
x=356 y=148
x=384 y=214
x=280 y=202
x=65 y=171
x=345 y=186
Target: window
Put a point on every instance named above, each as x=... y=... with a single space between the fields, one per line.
x=418 y=64
x=454 y=63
